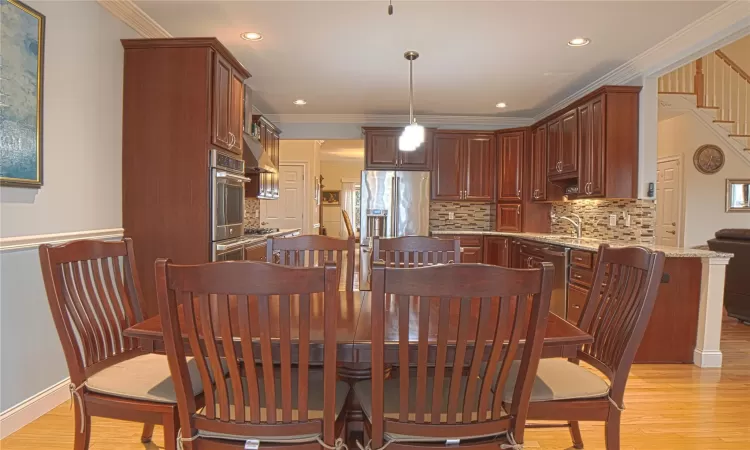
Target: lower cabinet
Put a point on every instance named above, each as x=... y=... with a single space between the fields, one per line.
x=256 y=252
x=497 y=251
x=471 y=254
x=576 y=300
x=471 y=247
x=508 y=217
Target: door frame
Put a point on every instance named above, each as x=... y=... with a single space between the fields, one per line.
x=341 y=218
x=305 y=174
x=681 y=188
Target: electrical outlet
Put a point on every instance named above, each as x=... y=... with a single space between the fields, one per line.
x=612 y=220
x=627 y=220
x=257 y=214
x=451 y=215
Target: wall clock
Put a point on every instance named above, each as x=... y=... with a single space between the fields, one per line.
x=708 y=159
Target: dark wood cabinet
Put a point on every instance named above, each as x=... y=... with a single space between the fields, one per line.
x=497 y=251
x=562 y=145
x=576 y=300
x=382 y=152
x=553 y=147
x=471 y=255
x=539 y=163
x=256 y=252
x=222 y=98
x=591 y=134
x=447 y=176
x=472 y=246
x=508 y=217
x=510 y=166
x=464 y=166
x=236 y=112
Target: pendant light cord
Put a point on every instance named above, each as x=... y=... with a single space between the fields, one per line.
x=411 y=91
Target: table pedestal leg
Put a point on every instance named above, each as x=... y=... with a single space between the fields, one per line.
x=352 y=373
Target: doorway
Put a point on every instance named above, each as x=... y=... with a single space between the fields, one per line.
x=669 y=189
x=288 y=210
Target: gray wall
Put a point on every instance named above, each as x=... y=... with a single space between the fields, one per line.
x=82 y=184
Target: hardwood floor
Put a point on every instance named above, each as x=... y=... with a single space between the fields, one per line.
x=667 y=407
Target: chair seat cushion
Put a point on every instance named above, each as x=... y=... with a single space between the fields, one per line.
x=314 y=400
x=391 y=404
x=559 y=379
x=145 y=377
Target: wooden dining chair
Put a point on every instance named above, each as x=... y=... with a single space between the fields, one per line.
x=225 y=312
x=94 y=294
x=616 y=314
x=348 y=224
x=444 y=315
x=314 y=251
x=415 y=251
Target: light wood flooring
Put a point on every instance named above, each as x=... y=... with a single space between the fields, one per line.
x=667 y=407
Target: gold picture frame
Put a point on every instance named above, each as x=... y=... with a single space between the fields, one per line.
x=738 y=195
x=21 y=150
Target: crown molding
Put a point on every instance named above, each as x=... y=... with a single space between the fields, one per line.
x=731 y=19
x=396 y=119
x=135 y=18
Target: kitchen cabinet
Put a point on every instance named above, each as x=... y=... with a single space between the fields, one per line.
x=382 y=152
x=471 y=255
x=256 y=252
x=539 y=163
x=562 y=156
x=510 y=166
x=471 y=247
x=265 y=185
x=464 y=166
x=508 y=217
x=576 y=301
x=591 y=134
x=497 y=251
x=227 y=105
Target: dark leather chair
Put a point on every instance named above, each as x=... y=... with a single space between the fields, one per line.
x=737 y=284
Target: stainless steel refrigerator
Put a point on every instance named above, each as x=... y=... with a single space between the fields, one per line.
x=394 y=203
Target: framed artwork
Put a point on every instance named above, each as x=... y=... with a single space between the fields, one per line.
x=331 y=197
x=21 y=93
x=738 y=195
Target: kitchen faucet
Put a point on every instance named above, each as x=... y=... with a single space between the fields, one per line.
x=577 y=225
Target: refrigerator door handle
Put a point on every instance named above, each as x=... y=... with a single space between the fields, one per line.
x=392 y=231
x=397 y=196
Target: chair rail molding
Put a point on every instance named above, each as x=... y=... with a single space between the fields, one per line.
x=28 y=242
x=137 y=19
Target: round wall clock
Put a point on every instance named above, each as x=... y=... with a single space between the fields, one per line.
x=708 y=159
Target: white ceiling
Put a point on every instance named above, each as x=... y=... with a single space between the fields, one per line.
x=343 y=150
x=346 y=57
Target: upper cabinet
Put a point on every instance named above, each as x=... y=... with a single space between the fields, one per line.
x=539 y=163
x=381 y=150
x=591 y=147
x=464 y=166
x=265 y=185
x=510 y=166
x=227 y=105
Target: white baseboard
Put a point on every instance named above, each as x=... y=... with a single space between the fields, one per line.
x=707 y=358
x=17 y=417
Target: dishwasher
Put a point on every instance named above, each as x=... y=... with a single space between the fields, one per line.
x=559 y=258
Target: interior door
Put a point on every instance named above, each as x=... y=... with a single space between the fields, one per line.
x=668 y=202
x=287 y=211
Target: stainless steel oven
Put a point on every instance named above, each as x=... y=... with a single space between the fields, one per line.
x=227 y=196
x=229 y=250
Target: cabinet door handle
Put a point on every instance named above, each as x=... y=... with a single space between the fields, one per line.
x=558 y=166
x=234 y=140
x=519 y=193
x=577 y=277
x=528 y=261
x=518 y=211
x=576 y=307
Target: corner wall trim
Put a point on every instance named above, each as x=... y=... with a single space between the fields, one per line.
x=25 y=242
x=135 y=18
x=22 y=414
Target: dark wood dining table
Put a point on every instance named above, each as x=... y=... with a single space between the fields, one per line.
x=353 y=333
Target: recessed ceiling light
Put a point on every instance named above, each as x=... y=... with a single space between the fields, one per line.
x=300 y=102
x=579 y=42
x=501 y=105
x=251 y=36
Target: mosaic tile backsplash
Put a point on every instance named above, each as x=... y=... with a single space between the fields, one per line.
x=595 y=214
x=252 y=210
x=468 y=216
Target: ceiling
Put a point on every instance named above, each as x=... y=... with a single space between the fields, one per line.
x=346 y=57
x=343 y=150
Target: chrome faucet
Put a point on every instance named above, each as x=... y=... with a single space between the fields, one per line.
x=577 y=225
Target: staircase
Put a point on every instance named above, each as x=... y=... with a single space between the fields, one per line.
x=720 y=91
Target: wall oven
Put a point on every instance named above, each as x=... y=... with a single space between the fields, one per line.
x=227 y=196
x=229 y=250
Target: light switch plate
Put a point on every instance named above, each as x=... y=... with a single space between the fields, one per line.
x=257 y=214
x=612 y=220
x=451 y=215
x=627 y=220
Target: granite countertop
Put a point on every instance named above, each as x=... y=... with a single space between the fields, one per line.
x=255 y=238
x=591 y=244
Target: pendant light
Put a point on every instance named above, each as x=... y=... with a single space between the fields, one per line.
x=413 y=135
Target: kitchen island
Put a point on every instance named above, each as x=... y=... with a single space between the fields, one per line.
x=685 y=326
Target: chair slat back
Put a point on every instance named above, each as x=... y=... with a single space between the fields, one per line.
x=224 y=309
x=314 y=251
x=452 y=317
x=416 y=251
x=617 y=310
x=94 y=295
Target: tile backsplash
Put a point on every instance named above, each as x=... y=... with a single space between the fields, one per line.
x=595 y=214
x=468 y=216
x=252 y=213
